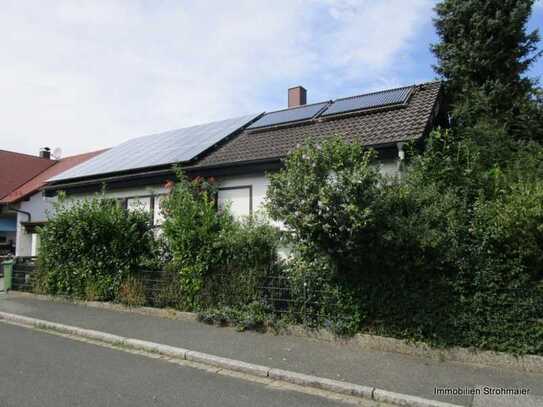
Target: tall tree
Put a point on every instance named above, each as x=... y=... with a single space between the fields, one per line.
x=484 y=53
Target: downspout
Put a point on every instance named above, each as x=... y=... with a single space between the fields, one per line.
x=28 y=214
x=401 y=156
x=11 y=208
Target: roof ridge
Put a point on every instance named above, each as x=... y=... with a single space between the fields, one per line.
x=82 y=154
x=414 y=85
x=26 y=155
x=380 y=91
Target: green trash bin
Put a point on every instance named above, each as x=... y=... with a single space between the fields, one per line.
x=8 y=274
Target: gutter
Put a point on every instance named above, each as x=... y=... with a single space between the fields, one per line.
x=11 y=208
x=156 y=174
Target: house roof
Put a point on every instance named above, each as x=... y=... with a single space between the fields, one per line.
x=17 y=168
x=378 y=119
x=171 y=147
x=371 y=127
x=56 y=167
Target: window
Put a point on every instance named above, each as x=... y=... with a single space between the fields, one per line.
x=158 y=218
x=141 y=203
x=240 y=199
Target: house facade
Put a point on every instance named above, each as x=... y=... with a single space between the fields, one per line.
x=239 y=152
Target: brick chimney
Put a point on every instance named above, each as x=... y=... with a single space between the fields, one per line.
x=297 y=96
x=45 y=152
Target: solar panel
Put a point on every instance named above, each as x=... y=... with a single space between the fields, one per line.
x=294 y=114
x=369 y=101
x=170 y=147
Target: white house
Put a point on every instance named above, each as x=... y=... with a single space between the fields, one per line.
x=238 y=152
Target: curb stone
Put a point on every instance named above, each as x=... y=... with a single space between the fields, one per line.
x=322 y=383
x=300 y=379
x=366 y=342
x=406 y=400
x=229 y=364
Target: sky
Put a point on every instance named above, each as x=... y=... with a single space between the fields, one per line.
x=84 y=75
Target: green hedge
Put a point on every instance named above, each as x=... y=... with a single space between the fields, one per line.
x=450 y=253
x=89 y=246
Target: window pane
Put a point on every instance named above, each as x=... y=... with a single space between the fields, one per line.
x=239 y=199
x=159 y=218
x=139 y=203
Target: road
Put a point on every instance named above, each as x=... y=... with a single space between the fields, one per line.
x=41 y=369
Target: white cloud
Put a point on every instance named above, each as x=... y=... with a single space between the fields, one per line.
x=86 y=75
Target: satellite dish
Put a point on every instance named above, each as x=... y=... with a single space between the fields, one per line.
x=57 y=153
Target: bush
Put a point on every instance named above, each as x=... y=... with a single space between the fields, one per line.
x=450 y=253
x=218 y=260
x=253 y=316
x=88 y=247
x=327 y=197
x=193 y=228
x=247 y=253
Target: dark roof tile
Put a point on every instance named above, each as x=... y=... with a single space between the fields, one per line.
x=371 y=128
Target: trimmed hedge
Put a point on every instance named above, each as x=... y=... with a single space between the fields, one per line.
x=88 y=247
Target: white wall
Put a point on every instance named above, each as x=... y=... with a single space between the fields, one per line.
x=258 y=183
x=38 y=206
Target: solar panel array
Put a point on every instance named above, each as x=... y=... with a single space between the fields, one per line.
x=171 y=147
x=372 y=100
x=338 y=106
x=291 y=115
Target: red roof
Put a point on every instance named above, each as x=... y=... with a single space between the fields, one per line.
x=17 y=168
x=40 y=178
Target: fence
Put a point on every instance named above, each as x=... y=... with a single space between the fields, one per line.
x=22 y=273
x=303 y=302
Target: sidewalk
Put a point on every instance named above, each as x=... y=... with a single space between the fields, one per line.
x=389 y=371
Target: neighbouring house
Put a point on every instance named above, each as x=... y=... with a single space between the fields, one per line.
x=238 y=152
x=27 y=205
x=15 y=170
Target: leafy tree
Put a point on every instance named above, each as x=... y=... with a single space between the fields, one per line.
x=484 y=54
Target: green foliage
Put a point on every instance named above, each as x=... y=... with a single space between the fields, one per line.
x=218 y=260
x=245 y=257
x=326 y=197
x=89 y=246
x=194 y=229
x=252 y=316
x=484 y=53
x=452 y=251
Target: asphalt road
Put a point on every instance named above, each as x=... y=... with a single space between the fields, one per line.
x=40 y=369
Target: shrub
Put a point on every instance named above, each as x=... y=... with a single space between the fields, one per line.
x=193 y=228
x=252 y=316
x=218 y=260
x=450 y=253
x=327 y=197
x=247 y=252
x=89 y=246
